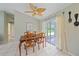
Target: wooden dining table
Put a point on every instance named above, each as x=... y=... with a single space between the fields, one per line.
x=25 y=38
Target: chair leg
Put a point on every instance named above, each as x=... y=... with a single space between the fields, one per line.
x=20 y=49
x=43 y=44
x=33 y=49
x=38 y=46
x=45 y=41
x=26 y=50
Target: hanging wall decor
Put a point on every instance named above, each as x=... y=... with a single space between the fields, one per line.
x=70 y=20
x=76 y=23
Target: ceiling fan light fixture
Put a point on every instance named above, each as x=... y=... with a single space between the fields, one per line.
x=36 y=10
x=33 y=14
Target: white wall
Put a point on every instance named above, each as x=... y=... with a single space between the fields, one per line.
x=1 y=25
x=20 y=24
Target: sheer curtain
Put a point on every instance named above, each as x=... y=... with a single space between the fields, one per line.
x=61 y=42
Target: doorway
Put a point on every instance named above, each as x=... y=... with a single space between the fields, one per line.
x=10 y=18
x=10 y=31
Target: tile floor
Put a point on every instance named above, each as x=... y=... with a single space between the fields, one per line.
x=51 y=40
x=11 y=49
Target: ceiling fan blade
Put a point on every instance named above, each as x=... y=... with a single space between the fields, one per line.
x=32 y=6
x=28 y=11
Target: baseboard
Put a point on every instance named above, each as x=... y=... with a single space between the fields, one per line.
x=58 y=48
x=69 y=53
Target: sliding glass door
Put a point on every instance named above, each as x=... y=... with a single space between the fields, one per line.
x=51 y=32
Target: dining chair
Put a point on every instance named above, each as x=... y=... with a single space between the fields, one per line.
x=41 y=39
x=29 y=41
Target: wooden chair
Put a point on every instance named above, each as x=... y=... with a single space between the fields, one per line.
x=41 y=39
x=28 y=41
x=22 y=40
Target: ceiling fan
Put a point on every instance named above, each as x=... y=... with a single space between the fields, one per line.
x=35 y=10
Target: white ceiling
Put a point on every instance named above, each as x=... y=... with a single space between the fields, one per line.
x=51 y=8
